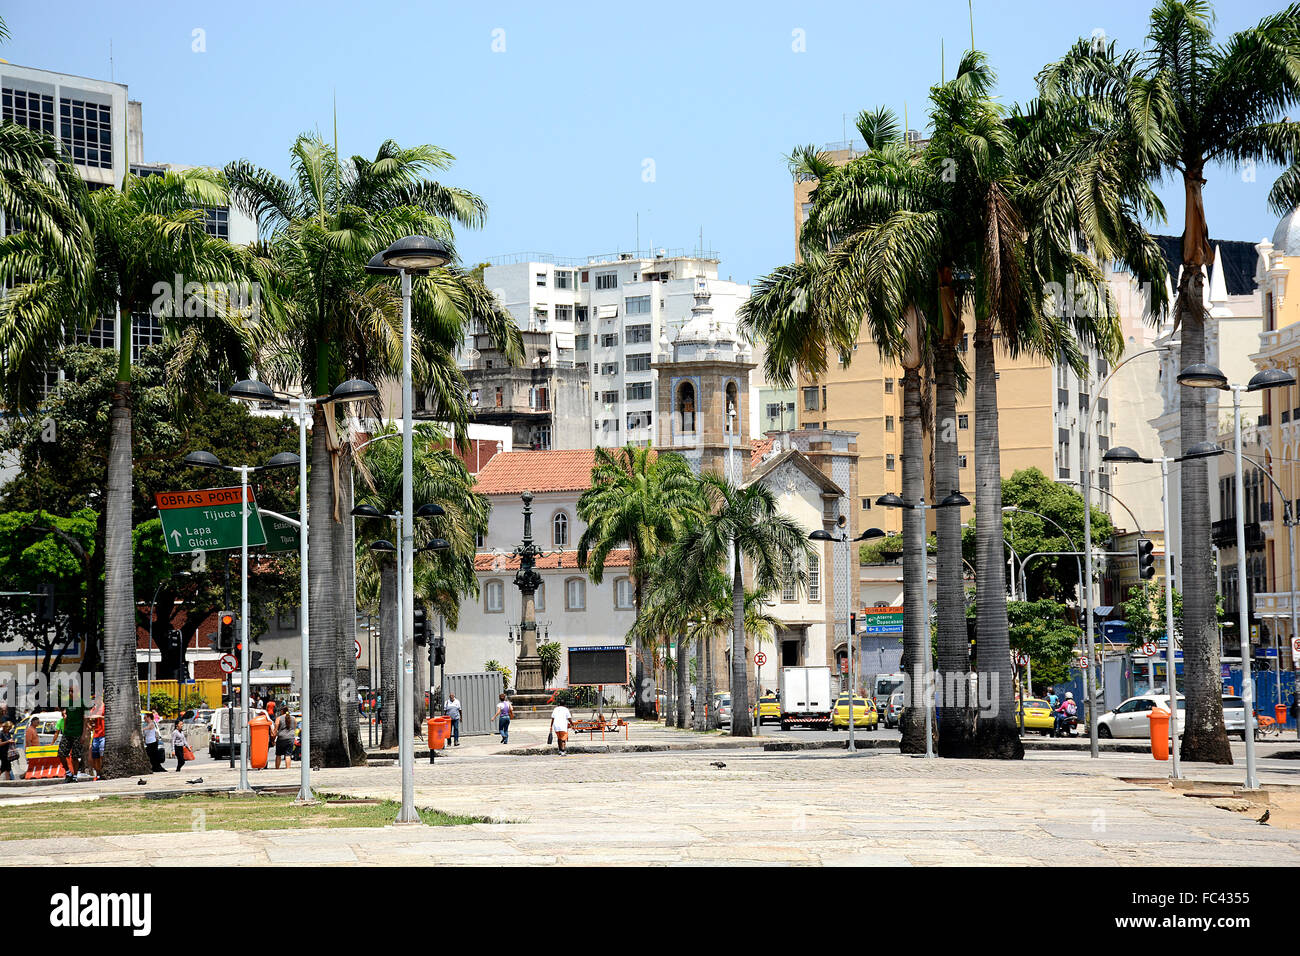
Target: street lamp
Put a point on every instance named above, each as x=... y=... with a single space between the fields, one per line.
x=823 y=535
x=405 y=631
x=955 y=499
x=1203 y=375
x=412 y=255
x=353 y=390
x=1122 y=454
x=205 y=459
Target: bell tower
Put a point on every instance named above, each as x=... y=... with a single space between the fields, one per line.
x=703 y=395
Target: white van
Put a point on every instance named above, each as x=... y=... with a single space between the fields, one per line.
x=221 y=740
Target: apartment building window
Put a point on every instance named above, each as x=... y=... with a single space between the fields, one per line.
x=638 y=420
x=563 y=313
x=216 y=221
x=637 y=334
x=33 y=110
x=810 y=398
x=623 y=597
x=563 y=279
x=889 y=463
x=541 y=279
x=889 y=386
x=100 y=335
x=582 y=343
x=963 y=421
x=582 y=313
x=961 y=461
x=609 y=340
x=608 y=368
x=145 y=331
x=585 y=277
x=539 y=399
x=814 y=578
x=500 y=396
x=889 y=423
x=637 y=305
x=575 y=594
x=803 y=211
x=86 y=130
x=639 y=362
x=606 y=280
x=494 y=597
x=866 y=504
x=639 y=392
x=560 y=529
x=609 y=398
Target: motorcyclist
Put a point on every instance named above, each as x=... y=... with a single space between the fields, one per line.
x=1064 y=714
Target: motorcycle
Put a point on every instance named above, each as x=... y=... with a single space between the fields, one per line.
x=1069 y=727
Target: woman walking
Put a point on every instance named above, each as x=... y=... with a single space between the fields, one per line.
x=152 y=745
x=8 y=750
x=179 y=743
x=285 y=726
x=505 y=710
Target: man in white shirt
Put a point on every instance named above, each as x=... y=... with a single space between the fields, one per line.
x=560 y=718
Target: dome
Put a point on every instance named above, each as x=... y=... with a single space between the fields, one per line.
x=1286 y=237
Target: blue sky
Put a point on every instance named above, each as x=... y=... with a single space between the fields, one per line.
x=555 y=131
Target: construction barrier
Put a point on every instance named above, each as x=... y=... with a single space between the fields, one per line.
x=43 y=762
x=208 y=688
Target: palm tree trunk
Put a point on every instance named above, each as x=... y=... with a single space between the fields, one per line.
x=955 y=718
x=641 y=705
x=328 y=747
x=388 y=614
x=996 y=733
x=670 y=698
x=741 y=726
x=916 y=618
x=123 y=743
x=700 y=721
x=1204 y=737
x=683 y=682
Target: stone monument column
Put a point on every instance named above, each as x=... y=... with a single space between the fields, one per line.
x=528 y=667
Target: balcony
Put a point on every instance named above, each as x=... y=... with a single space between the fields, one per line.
x=1224 y=533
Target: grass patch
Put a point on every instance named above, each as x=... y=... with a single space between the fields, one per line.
x=119 y=816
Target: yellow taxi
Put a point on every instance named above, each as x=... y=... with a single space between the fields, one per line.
x=1035 y=715
x=864 y=713
x=767 y=708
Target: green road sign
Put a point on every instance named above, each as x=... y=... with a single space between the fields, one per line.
x=207 y=520
x=280 y=535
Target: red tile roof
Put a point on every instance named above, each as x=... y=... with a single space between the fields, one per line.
x=758 y=448
x=620 y=558
x=514 y=472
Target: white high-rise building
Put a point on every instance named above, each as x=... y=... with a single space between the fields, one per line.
x=609 y=314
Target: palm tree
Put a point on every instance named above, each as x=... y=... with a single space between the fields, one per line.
x=636 y=500
x=1177 y=107
x=441 y=577
x=328 y=321
x=150 y=235
x=741 y=523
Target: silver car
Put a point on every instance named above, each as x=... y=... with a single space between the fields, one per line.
x=1234 y=716
x=724 y=710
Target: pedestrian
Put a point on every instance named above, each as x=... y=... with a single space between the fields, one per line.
x=152 y=746
x=179 y=744
x=284 y=732
x=560 y=718
x=504 y=712
x=72 y=727
x=452 y=710
x=97 y=743
x=33 y=736
x=270 y=710
x=8 y=750
x=1052 y=700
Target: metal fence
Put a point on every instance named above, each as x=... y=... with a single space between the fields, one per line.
x=478 y=695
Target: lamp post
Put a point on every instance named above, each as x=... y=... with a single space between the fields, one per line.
x=413 y=255
x=353 y=390
x=405 y=630
x=823 y=535
x=1124 y=454
x=153 y=609
x=205 y=459
x=955 y=499
x=1203 y=375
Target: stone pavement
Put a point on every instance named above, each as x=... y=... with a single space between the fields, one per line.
x=811 y=807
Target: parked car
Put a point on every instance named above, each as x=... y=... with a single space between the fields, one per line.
x=767 y=708
x=1036 y=715
x=1234 y=716
x=894 y=711
x=864 y=713
x=724 y=709
x=1131 y=718
x=222 y=742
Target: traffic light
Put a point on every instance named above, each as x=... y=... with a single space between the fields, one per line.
x=254 y=660
x=420 y=633
x=439 y=652
x=47 y=602
x=853 y=623
x=226 y=631
x=1146 y=560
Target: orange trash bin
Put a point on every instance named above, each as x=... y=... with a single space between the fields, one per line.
x=1279 y=714
x=259 y=740
x=1159 y=718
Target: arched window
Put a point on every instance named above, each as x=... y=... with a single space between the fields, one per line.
x=539 y=599
x=560 y=530
x=624 y=599
x=494 y=597
x=733 y=405
x=575 y=594
x=686 y=406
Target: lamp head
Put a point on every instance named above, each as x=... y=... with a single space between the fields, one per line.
x=869 y=534
x=891 y=500
x=376 y=266
x=283 y=459
x=1202 y=375
x=1123 y=454
x=1269 y=378
x=366 y=511
x=382 y=545
x=203 y=459
x=955 y=499
x=1202 y=449
x=821 y=535
x=437 y=544
x=429 y=510
x=417 y=254
x=353 y=390
x=251 y=390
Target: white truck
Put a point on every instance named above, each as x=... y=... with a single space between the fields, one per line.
x=806 y=697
